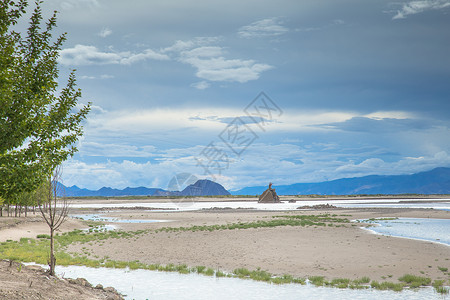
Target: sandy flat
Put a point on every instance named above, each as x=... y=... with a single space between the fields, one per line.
x=349 y=251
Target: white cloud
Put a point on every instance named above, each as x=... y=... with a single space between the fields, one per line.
x=87 y=55
x=147 y=54
x=90 y=55
x=212 y=66
x=415 y=7
x=71 y=4
x=201 y=85
x=209 y=60
x=105 y=32
x=104 y=76
x=232 y=70
x=406 y=165
x=180 y=46
x=333 y=23
x=116 y=150
x=263 y=28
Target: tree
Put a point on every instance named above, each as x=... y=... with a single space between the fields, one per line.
x=38 y=125
x=54 y=210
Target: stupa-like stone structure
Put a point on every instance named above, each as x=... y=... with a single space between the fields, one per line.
x=269 y=196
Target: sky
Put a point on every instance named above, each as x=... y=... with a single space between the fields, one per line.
x=251 y=92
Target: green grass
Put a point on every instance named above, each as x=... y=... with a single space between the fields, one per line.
x=317 y=280
x=415 y=281
x=385 y=285
x=361 y=280
x=442 y=290
x=443 y=269
x=220 y=274
x=288 y=220
x=43 y=236
x=341 y=283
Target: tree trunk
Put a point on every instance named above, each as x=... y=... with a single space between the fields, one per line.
x=26 y=210
x=52 y=254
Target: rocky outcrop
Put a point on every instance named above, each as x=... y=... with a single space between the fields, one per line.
x=269 y=196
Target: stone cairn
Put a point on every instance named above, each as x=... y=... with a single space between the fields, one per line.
x=269 y=196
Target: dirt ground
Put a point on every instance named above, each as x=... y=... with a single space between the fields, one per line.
x=31 y=282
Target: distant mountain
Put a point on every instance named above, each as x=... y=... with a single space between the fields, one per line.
x=200 y=188
x=436 y=181
x=75 y=191
x=205 y=188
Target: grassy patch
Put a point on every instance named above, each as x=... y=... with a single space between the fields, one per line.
x=341 y=283
x=43 y=236
x=415 y=281
x=295 y=220
x=317 y=280
x=261 y=275
x=443 y=269
x=385 y=285
x=442 y=290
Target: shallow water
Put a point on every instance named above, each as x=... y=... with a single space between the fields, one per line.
x=189 y=206
x=434 y=205
x=144 y=284
x=97 y=217
x=433 y=230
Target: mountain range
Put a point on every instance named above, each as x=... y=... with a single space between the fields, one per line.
x=436 y=181
x=199 y=188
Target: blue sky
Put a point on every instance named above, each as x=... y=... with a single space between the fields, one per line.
x=355 y=88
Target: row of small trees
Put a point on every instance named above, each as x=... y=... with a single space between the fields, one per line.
x=39 y=121
x=24 y=202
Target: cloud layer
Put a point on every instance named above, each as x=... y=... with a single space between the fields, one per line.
x=363 y=87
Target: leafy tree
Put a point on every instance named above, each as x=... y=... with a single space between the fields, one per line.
x=38 y=124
